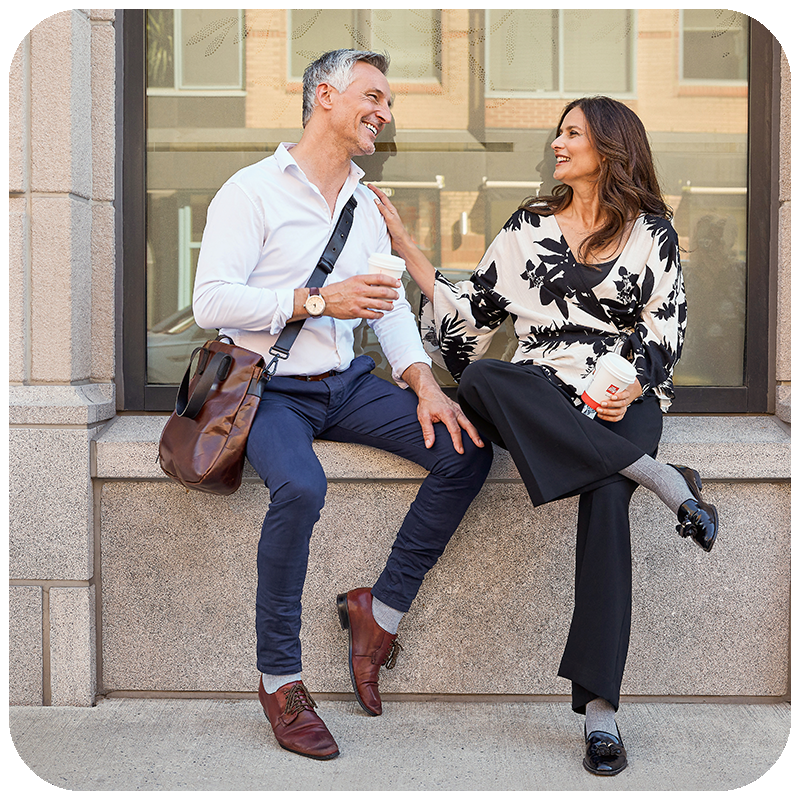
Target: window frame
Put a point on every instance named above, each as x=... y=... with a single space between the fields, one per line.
x=755 y=396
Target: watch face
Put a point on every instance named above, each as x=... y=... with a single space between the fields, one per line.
x=315 y=305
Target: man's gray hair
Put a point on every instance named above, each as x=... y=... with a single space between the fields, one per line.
x=336 y=68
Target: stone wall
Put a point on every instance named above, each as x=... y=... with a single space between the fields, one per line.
x=62 y=268
x=178 y=575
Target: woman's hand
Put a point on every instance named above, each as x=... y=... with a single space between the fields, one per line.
x=419 y=268
x=401 y=240
x=613 y=409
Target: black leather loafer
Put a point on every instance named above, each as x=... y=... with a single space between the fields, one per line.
x=605 y=753
x=696 y=518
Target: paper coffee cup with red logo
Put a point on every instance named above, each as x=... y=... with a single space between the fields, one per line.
x=386 y=264
x=612 y=374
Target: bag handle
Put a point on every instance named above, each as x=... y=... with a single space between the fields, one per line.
x=215 y=372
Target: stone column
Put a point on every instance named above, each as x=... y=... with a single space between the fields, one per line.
x=61 y=359
x=783 y=372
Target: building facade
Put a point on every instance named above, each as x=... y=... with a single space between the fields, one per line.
x=122 y=127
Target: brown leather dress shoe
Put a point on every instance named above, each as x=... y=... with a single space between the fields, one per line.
x=296 y=725
x=371 y=647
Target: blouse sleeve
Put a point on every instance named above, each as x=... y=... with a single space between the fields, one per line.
x=457 y=327
x=656 y=343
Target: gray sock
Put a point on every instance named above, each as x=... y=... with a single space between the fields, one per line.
x=274 y=682
x=386 y=616
x=660 y=478
x=600 y=717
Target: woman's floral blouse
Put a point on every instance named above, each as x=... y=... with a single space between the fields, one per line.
x=566 y=314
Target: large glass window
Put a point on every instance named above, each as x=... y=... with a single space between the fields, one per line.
x=180 y=43
x=714 y=45
x=560 y=51
x=412 y=36
x=477 y=96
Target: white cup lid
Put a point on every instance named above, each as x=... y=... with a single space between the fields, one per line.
x=386 y=260
x=619 y=365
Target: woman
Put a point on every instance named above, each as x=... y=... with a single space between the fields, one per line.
x=593 y=268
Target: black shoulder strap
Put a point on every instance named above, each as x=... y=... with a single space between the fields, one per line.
x=324 y=267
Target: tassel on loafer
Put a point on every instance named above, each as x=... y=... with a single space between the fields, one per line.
x=696 y=518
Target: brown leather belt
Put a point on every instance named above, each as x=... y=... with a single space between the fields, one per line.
x=310 y=377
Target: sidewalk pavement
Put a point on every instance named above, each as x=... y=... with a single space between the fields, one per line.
x=419 y=745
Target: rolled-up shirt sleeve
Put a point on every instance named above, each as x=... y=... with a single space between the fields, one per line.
x=397 y=330
x=222 y=298
x=399 y=338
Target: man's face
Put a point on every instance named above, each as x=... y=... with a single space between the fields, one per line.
x=361 y=111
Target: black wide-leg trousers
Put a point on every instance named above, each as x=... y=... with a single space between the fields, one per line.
x=560 y=452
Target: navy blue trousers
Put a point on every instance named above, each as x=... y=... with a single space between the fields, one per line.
x=352 y=406
x=559 y=452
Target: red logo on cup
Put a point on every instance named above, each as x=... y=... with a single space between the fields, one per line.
x=612 y=389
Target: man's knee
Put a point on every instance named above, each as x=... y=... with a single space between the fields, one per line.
x=471 y=466
x=305 y=492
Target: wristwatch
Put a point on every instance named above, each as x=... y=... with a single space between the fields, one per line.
x=315 y=304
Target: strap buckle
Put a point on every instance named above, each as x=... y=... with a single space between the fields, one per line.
x=278 y=354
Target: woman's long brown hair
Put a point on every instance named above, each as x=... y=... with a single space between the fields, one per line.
x=626 y=183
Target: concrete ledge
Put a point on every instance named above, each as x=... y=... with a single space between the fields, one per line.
x=178 y=575
x=82 y=404
x=720 y=448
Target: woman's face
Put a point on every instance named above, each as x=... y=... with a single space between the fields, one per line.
x=576 y=157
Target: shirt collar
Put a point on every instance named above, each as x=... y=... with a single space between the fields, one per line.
x=284 y=159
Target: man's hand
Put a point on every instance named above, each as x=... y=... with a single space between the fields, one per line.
x=613 y=409
x=436 y=406
x=359 y=297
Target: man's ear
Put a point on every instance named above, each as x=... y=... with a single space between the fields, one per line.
x=325 y=94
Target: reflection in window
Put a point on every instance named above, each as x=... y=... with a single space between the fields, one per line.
x=561 y=51
x=180 y=43
x=714 y=45
x=412 y=37
x=477 y=95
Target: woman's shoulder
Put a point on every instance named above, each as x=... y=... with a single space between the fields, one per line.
x=531 y=215
x=656 y=226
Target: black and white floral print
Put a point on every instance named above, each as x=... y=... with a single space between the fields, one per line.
x=565 y=314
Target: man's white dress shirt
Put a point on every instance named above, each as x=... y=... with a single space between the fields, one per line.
x=265 y=231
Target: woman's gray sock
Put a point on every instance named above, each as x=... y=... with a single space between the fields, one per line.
x=600 y=717
x=661 y=479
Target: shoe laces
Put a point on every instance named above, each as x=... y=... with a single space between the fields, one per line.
x=298 y=699
x=391 y=654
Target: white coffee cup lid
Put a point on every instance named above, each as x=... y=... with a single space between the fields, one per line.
x=620 y=366
x=386 y=260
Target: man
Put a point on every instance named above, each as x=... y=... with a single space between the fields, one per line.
x=266 y=228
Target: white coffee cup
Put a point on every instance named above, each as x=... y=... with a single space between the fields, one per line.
x=386 y=264
x=612 y=374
